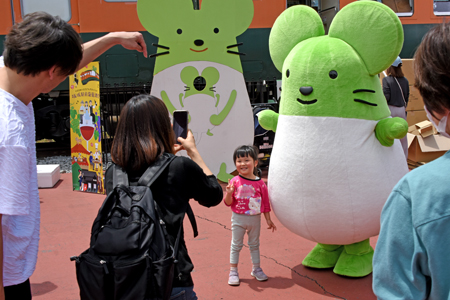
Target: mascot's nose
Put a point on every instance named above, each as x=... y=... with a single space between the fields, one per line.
x=198 y=42
x=306 y=90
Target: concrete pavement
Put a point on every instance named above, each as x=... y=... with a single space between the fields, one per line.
x=66 y=220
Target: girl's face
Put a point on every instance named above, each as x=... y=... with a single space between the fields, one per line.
x=245 y=166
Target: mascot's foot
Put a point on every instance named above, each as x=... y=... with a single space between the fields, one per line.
x=223 y=175
x=355 y=260
x=323 y=256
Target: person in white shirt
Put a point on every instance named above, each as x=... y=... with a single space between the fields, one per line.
x=40 y=52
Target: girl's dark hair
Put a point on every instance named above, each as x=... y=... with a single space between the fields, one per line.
x=40 y=42
x=395 y=71
x=432 y=68
x=244 y=151
x=143 y=133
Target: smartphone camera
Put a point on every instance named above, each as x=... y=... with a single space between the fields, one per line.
x=180 y=124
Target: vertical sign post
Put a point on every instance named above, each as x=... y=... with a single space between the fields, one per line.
x=85 y=130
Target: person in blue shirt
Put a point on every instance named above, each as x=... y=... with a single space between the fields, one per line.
x=412 y=256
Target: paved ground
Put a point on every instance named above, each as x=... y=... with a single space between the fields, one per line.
x=65 y=228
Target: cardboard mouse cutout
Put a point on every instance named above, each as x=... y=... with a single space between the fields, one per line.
x=336 y=155
x=198 y=69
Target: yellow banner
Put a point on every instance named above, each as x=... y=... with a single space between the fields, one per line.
x=85 y=130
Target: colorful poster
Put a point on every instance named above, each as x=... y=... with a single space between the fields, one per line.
x=85 y=130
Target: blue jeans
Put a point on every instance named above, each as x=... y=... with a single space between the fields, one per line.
x=183 y=293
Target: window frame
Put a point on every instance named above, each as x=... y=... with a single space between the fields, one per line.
x=69 y=11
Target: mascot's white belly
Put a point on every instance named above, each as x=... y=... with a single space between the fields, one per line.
x=330 y=177
x=217 y=145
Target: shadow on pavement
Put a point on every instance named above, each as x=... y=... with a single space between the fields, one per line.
x=277 y=282
x=45 y=287
x=325 y=282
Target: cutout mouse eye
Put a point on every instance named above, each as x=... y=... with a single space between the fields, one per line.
x=216 y=30
x=179 y=31
x=287 y=73
x=333 y=74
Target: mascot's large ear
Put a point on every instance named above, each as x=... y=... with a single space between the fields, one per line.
x=155 y=15
x=373 y=30
x=295 y=24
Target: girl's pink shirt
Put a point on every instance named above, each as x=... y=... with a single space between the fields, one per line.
x=250 y=197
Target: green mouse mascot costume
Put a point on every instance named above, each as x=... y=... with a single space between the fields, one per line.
x=336 y=155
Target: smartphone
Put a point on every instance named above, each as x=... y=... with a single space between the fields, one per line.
x=180 y=124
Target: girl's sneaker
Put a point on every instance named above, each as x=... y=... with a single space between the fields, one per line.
x=259 y=274
x=233 y=278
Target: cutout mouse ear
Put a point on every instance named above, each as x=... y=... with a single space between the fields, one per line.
x=188 y=74
x=295 y=24
x=236 y=14
x=211 y=74
x=155 y=14
x=373 y=30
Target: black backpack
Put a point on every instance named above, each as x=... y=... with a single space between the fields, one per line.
x=130 y=255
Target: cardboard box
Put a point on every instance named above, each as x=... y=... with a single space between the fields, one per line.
x=48 y=175
x=408 y=69
x=415 y=100
x=425 y=128
x=426 y=149
x=416 y=116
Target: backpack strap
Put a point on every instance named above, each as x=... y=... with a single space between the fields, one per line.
x=152 y=173
x=119 y=176
x=401 y=90
x=191 y=217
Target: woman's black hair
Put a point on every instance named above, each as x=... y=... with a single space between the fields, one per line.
x=143 y=133
x=244 y=151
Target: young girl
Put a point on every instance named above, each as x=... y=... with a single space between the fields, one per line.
x=248 y=197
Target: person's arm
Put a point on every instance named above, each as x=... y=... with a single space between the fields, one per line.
x=399 y=257
x=265 y=206
x=229 y=197
x=386 y=89
x=2 y=290
x=188 y=144
x=269 y=222
x=201 y=183
x=128 y=40
x=407 y=92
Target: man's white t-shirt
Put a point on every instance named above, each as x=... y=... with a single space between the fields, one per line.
x=19 y=196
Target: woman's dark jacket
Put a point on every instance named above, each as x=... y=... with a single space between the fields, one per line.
x=393 y=93
x=182 y=180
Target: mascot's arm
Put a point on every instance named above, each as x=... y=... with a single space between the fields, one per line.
x=389 y=129
x=167 y=102
x=218 y=119
x=268 y=119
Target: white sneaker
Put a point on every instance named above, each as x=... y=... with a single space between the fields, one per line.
x=259 y=274
x=233 y=278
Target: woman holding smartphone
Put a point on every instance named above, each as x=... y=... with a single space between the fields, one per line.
x=143 y=134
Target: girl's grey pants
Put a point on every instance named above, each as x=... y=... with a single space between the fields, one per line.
x=240 y=224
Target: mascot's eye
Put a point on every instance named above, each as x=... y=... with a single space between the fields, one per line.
x=287 y=73
x=216 y=30
x=333 y=74
x=179 y=31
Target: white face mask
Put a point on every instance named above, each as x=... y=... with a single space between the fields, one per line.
x=442 y=123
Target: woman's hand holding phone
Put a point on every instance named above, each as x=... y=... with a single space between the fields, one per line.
x=187 y=144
